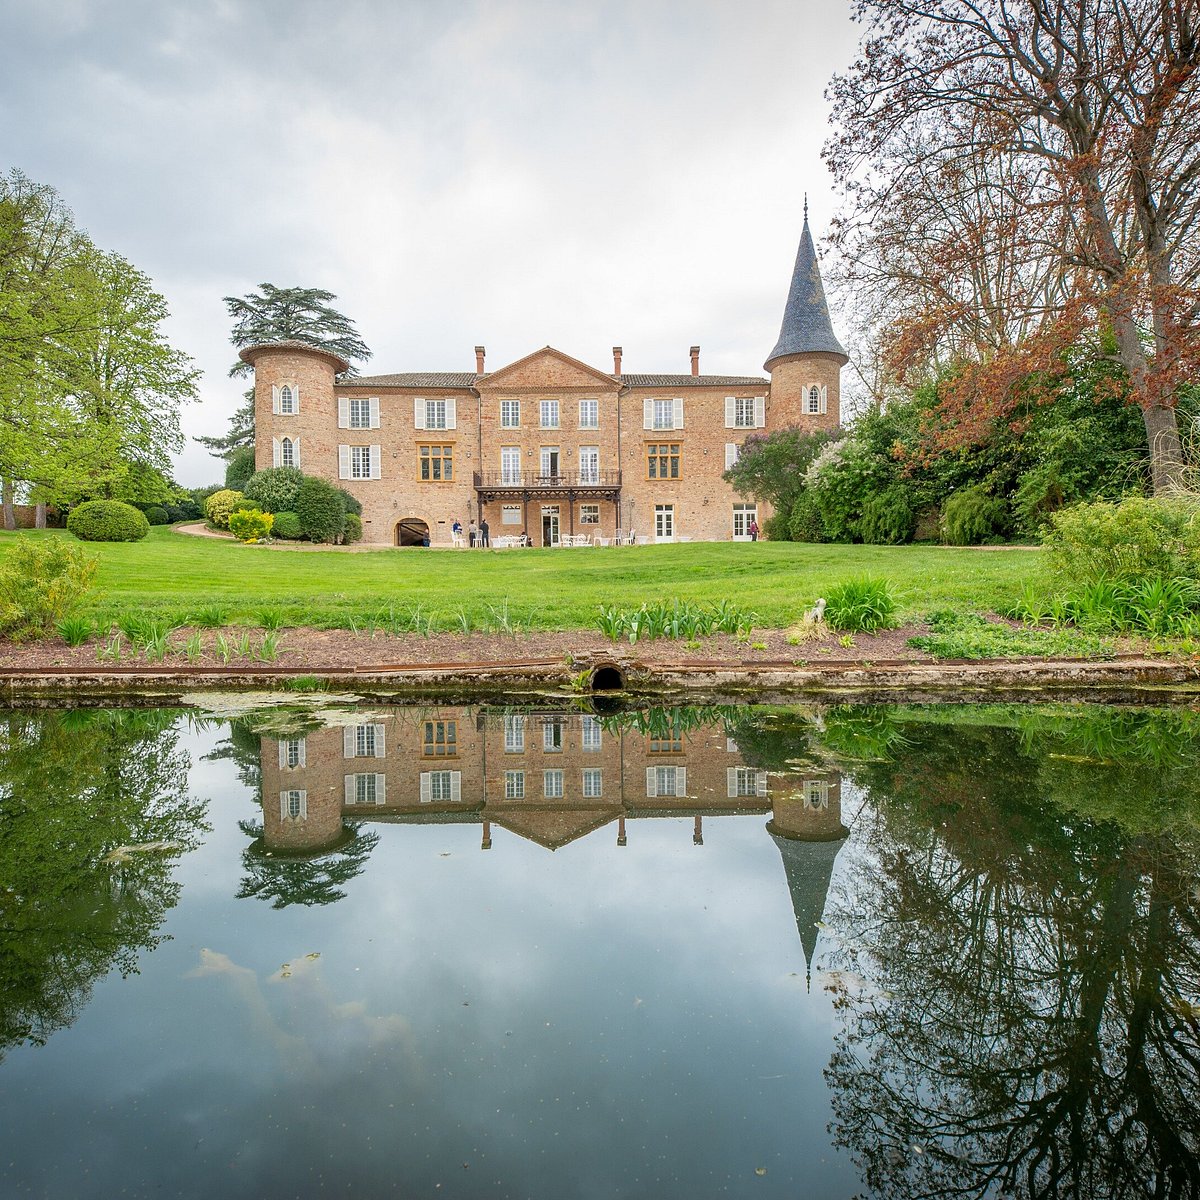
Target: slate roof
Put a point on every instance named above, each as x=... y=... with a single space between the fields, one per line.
x=806 y=325
x=809 y=870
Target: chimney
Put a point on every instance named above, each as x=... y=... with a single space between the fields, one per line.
x=616 y=360
x=479 y=353
x=695 y=352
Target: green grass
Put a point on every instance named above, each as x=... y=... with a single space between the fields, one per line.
x=969 y=635
x=172 y=575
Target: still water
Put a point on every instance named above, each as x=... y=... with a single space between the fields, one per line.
x=487 y=951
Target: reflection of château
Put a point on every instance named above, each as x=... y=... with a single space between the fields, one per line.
x=548 y=777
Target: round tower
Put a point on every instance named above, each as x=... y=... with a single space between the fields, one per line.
x=806 y=364
x=294 y=408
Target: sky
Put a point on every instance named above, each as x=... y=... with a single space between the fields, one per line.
x=506 y=173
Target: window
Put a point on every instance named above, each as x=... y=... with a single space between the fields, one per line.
x=365 y=790
x=746 y=781
x=745 y=412
x=552 y=785
x=514 y=785
x=287 y=400
x=363 y=741
x=435 y=414
x=436 y=463
x=293 y=805
x=593 y=783
x=441 y=739
x=589 y=464
x=287 y=453
x=510 y=414
x=549 y=459
x=291 y=753
x=514 y=735
x=663 y=414
x=664 y=522
x=592 y=734
x=359 y=462
x=732 y=453
x=743 y=514
x=510 y=514
x=815 y=400
x=552 y=737
x=441 y=785
x=510 y=464
x=816 y=793
x=666 y=781
x=662 y=460
x=672 y=743
x=589 y=414
x=360 y=412
x=589 y=514
x=549 y=414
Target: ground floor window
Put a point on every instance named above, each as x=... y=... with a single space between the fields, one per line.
x=589 y=514
x=510 y=514
x=593 y=782
x=365 y=788
x=743 y=514
x=746 y=781
x=441 y=739
x=514 y=785
x=664 y=522
x=816 y=793
x=440 y=785
x=552 y=785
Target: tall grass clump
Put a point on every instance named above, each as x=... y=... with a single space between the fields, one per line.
x=862 y=605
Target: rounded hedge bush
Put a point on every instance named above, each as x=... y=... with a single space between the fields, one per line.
x=287 y=525
x=220 y=504
x=250 y=526
x=157 y=515
x=321 y=510
x=275 y=488
x=353 y=529
x=108 y=521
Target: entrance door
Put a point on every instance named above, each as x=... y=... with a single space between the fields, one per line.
x=412 y=531
x=664 y=522
x=550 y=525
x=743 y=514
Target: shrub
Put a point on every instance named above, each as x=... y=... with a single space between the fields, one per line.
x=352 y=505
x=275 y=488
x=157 y=515
x=971 y=516
x=219 y=505
x=287 y=525
x=250 y=526
x=887 y=518
x=775 y=528
x=860 y=605
x=108 y=521
x=41 y=580
x=837 y=481
x=353 y=530
x=805 y=524
x=240 y=468
x=321 y=510
x=1132 y=541
x=246 y=506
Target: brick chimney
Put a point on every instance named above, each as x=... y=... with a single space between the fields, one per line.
x=479 y=353
x=616 y=360
x=695 y=352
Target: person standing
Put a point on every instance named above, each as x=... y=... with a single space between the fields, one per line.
x=474 y=534
x=484 y=534
x=753 y=529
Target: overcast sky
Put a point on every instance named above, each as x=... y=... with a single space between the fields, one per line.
x=497 y=172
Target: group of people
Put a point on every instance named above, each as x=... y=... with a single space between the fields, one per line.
x=479 y=535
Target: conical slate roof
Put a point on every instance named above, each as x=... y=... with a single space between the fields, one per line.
x=806 y=327
x=809 y=869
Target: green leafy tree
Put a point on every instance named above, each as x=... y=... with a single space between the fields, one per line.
x=275 y=314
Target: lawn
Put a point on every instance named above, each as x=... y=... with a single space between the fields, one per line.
x=173 y=575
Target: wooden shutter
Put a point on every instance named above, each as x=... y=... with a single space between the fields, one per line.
x=348 y=794
x=374 y=406
x=681 y=781
x=303 y=752
x=296 y=398
x=380 y=752
x=349 y=741
x=824 y=398
x=678 y=402
x=731 y=454
x=276 y=453
x=731 y=782
x=343 y=412
x=426 y=788
x=647 y=414
x=418 y=413
x=760 y=412
x=275 y=398
x=343 y=462
x=451 y=413
x=282 y=754
x=377 y=465
x=380 y=789
x=455 y=785
x=760 y=783
x=651 y=783
x=296 y=453
x=730 y=412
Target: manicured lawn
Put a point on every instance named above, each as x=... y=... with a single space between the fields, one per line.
x=173 y=575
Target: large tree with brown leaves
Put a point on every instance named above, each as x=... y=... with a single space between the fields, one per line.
x=1020 y=171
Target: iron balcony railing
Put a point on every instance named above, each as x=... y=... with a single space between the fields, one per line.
x=533 y=480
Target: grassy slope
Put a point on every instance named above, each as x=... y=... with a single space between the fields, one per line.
x=173 y=574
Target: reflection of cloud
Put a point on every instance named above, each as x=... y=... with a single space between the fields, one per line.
x=313 y=1025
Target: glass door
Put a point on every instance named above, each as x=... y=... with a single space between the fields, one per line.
x=743 y=514
x=510 y=464
x=550 y=525
x=550 y=463
x=589 y=464
x=664 y=522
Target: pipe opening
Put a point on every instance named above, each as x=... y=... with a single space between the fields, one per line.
x=608 y=678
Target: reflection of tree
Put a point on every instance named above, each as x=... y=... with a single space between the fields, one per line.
x=302 y=879
x=242 y=748
x=78 y=794
x=1022 y=998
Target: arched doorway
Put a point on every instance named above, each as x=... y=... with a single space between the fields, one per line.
x=411 y=531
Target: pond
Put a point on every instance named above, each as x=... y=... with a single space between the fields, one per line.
x=498 y=951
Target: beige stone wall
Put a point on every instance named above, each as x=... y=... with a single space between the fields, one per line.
x=313 y=374
x=791 y=379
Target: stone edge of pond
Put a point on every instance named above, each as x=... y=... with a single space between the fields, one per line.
x=1130 y=679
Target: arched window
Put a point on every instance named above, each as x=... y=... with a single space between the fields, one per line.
x=287 y=400
x=287 y=453
x=814 y=399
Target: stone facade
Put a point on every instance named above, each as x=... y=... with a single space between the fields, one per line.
x=547 y=446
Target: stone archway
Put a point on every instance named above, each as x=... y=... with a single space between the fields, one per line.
x=412 y=531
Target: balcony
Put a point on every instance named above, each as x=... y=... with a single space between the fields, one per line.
x=491 y=484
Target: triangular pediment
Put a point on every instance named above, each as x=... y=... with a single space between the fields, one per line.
x=553 y=828
x=548 y=369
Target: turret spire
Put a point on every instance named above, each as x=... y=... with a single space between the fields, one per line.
x=806 y=327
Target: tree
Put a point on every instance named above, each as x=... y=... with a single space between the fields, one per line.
x=771 y=466
x=1052 y=144
x=274 y=314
